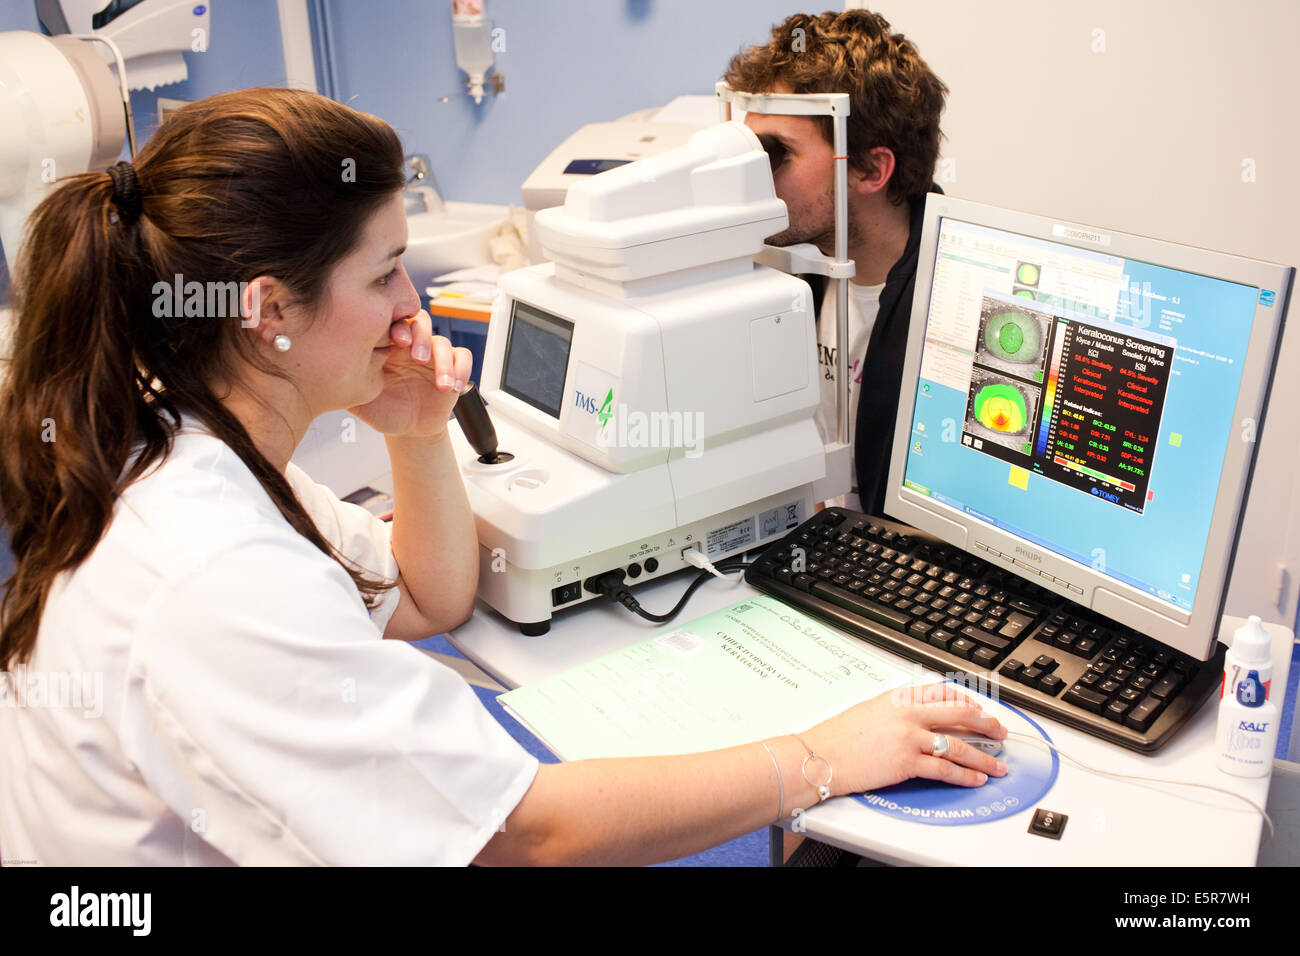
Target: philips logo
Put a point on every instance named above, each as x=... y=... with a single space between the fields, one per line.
x=1031 y=555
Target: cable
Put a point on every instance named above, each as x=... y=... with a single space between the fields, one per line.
x=696 y=559
x=1126 y=776
x=611 y=585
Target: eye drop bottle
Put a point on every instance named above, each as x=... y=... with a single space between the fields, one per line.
x=1248 y=726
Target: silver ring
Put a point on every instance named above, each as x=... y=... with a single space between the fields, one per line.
x=939 y=748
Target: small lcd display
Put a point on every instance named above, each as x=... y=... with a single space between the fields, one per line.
x=537 y=358
x=592 y=167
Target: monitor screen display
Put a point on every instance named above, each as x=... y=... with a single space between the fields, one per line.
x=1080 y=401
x=537 y=358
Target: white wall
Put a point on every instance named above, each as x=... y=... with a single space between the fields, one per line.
x=1141 y=116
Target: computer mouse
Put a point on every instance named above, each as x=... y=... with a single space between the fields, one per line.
x=994 y=748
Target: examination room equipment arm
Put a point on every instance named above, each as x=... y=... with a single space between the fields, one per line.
x=648 y=809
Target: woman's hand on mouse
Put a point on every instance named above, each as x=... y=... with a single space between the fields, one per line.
x=423 y=376
x=889 y=739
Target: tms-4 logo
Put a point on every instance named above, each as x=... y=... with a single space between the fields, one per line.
x=588 y=404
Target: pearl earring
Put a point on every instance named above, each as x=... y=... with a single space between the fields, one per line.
x=282 y=343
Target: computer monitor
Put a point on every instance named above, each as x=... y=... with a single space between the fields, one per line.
x=1083 y=407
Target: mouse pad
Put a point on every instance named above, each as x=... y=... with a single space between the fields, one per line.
x=1031 y=771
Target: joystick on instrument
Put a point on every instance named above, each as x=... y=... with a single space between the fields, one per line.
x=472 y=414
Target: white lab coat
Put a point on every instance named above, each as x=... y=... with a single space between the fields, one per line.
x=248 y=710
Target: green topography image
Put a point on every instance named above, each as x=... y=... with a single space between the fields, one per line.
x=1012 y=337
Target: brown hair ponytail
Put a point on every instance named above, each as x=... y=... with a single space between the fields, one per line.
x=243 y=184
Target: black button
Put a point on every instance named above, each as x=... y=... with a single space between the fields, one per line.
x=1048 y=823
x=962 y=647
x=1116 y=710
x=566 y=593
x=1166 y=688
x=941 y=638
x=1050 y=684
x=1144 y=714
x=986 y=638
x=1085 y=698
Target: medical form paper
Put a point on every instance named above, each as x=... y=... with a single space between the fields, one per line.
x=753 y=670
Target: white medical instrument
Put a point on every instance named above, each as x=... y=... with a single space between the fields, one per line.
x=63 y=113
x=652 y=387
x=152 y=36
x=65 y=107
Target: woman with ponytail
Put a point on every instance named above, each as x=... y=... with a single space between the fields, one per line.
x=193 y=625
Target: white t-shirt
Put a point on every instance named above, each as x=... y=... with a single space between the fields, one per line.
x=864 y=304
x=248 y=709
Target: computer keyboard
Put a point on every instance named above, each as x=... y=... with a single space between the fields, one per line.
x=930 y=602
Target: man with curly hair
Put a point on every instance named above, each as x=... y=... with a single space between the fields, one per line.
x=893 y=146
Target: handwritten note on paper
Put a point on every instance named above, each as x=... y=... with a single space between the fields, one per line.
x=752 y=670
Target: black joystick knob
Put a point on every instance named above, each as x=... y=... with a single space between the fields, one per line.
x=472 y=414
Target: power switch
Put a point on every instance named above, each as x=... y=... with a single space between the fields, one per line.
x=566 y=593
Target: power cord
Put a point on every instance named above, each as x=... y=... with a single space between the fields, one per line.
x=611 y=584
